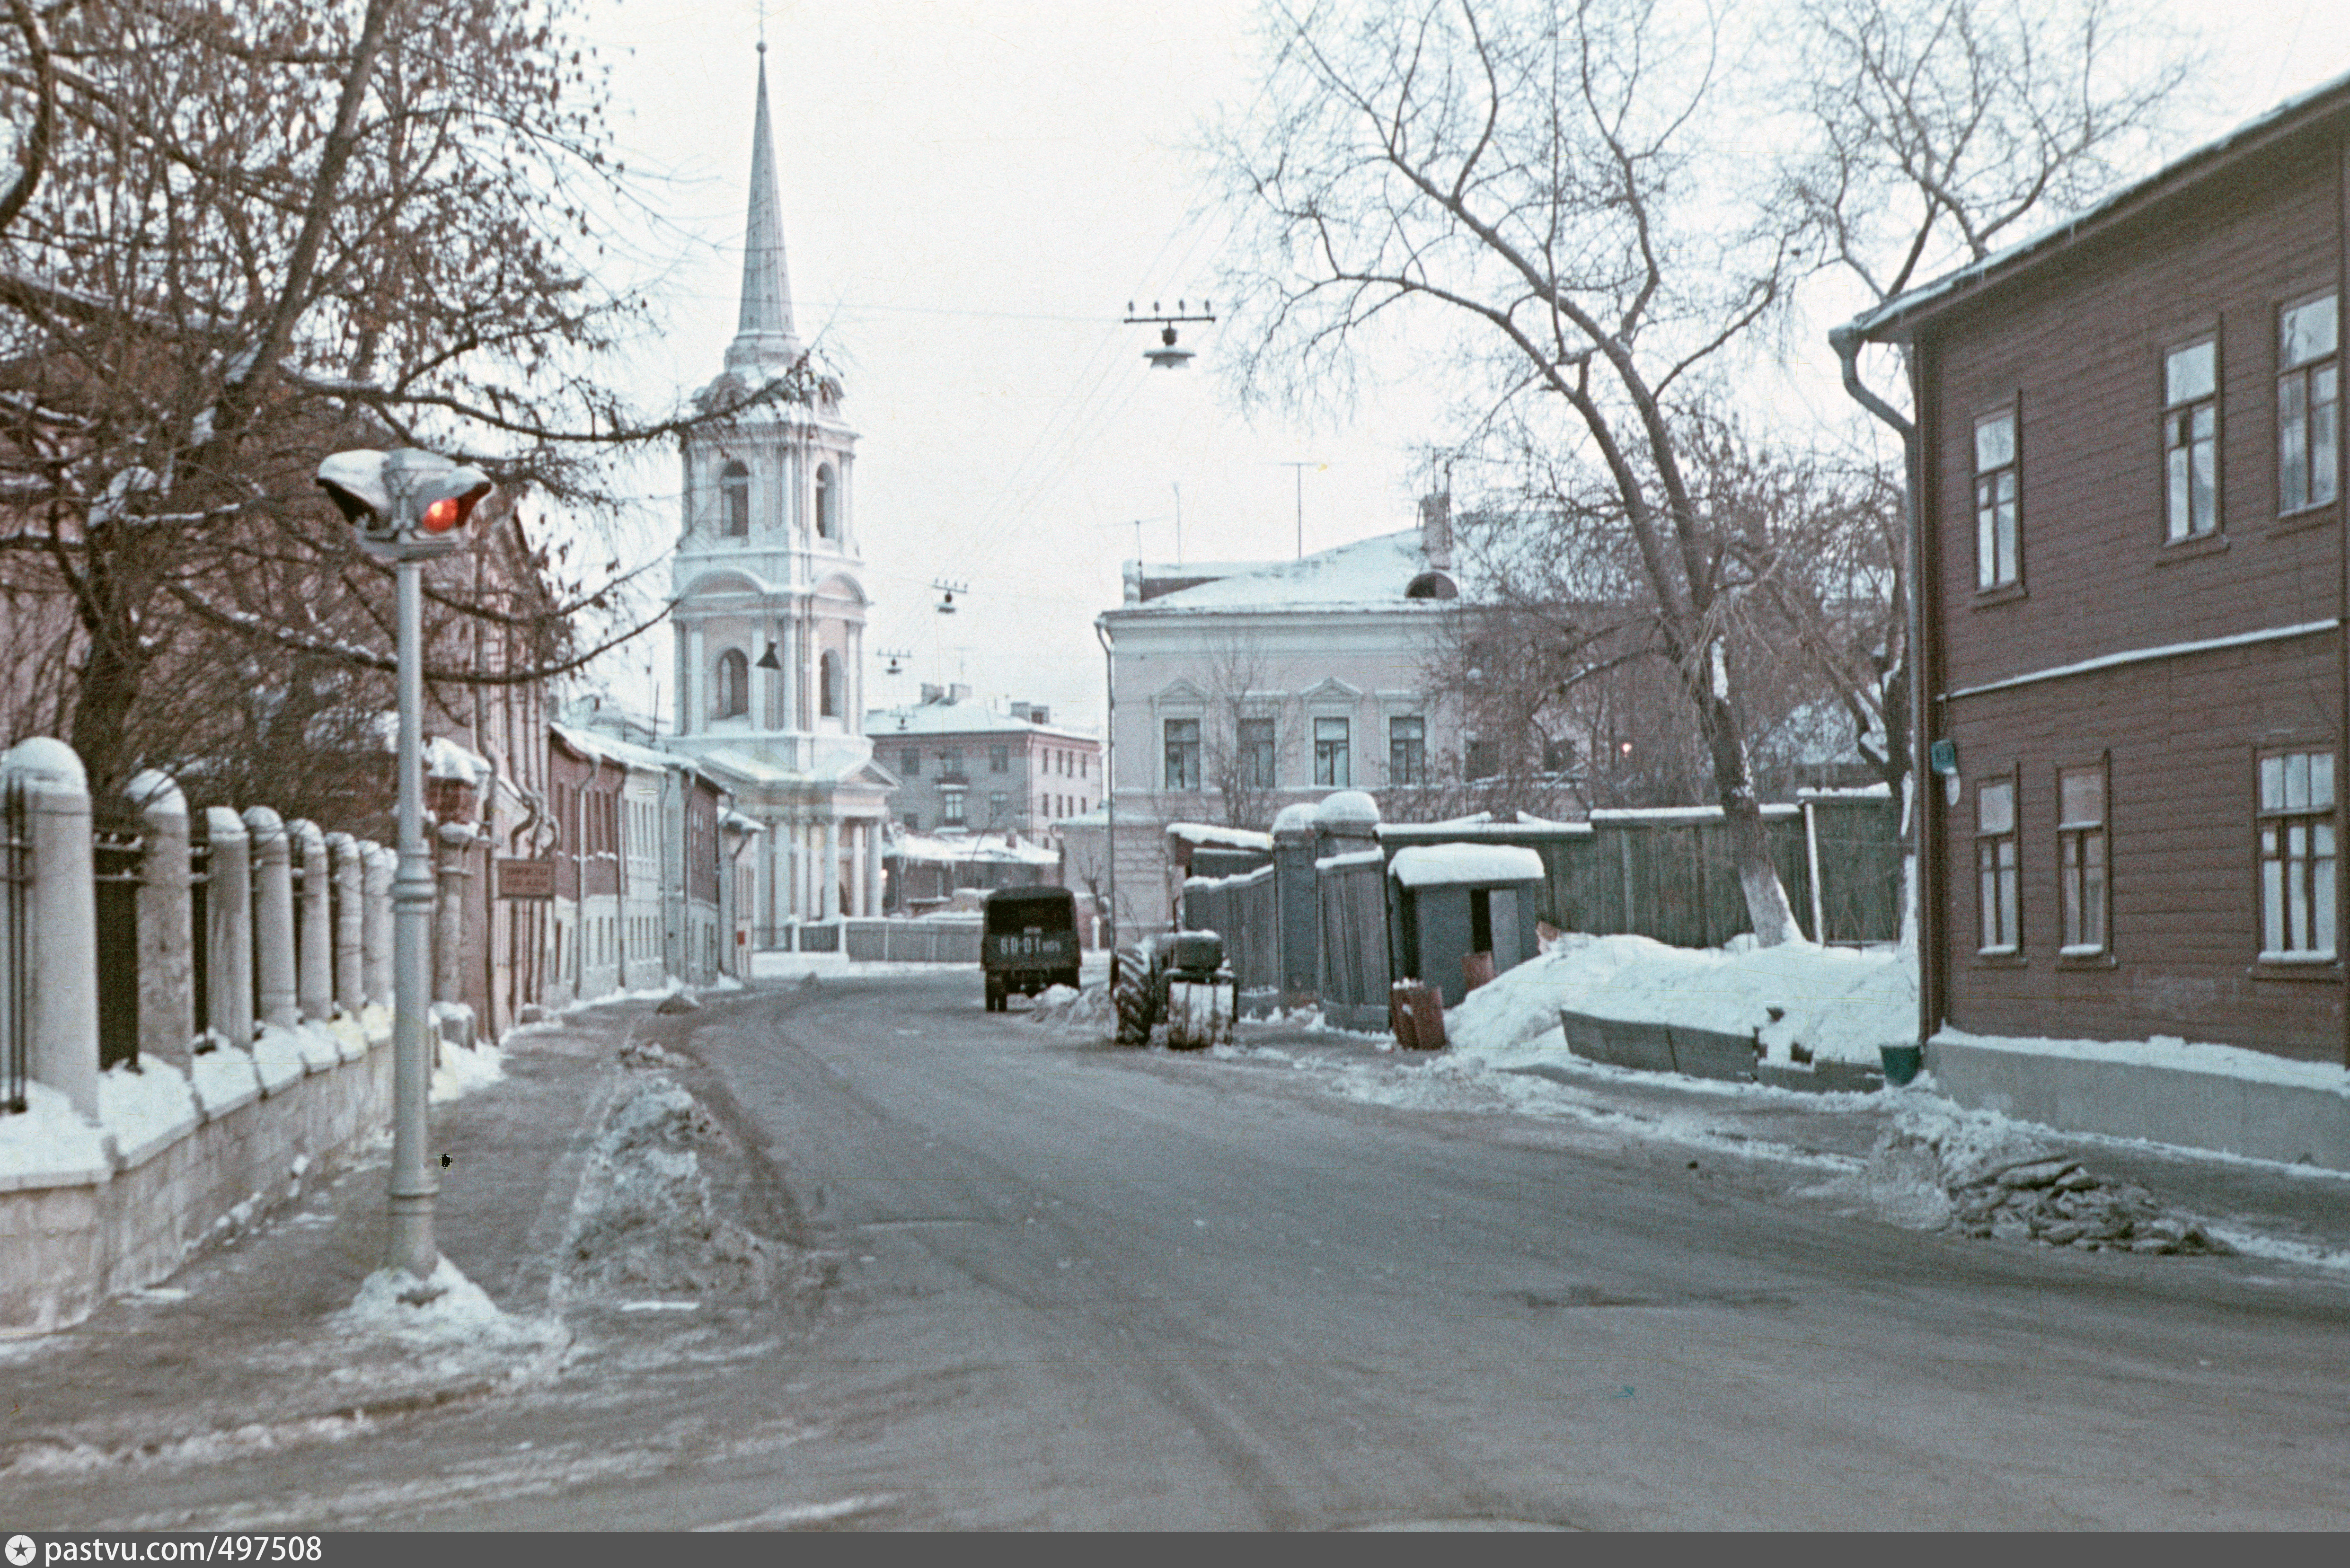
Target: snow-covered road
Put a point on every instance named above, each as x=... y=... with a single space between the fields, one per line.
x=1298 y=1284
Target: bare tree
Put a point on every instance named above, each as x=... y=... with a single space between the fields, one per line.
x=1941 y=131
x=1947 y=127
x=253 y=234
x=1538 y=175
x=1248 y=731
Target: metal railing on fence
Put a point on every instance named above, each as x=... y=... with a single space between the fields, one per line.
x=118 y=844
x=15 y=990
x=200 y=957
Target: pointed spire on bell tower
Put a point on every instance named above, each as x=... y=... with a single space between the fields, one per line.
x=764 y=339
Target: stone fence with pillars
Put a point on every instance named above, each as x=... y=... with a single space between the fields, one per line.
x=195 y=1018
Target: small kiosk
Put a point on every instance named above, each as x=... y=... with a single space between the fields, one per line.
x=1446 y=901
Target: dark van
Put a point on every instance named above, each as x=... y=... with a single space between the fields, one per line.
x=1029 y=942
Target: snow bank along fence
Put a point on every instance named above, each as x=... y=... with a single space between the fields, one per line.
x=192 y=1015
x=1315 y=923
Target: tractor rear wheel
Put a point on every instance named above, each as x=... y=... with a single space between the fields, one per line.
x=1131 y=992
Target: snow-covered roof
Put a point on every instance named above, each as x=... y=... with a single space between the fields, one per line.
x=976 y=847
x=445 y=759
x=1891 y=318
x=959 y=719
x=1676 y=814
x=1372 y=571
x=1207 y=834
x=611 y=749
x=1462 y=865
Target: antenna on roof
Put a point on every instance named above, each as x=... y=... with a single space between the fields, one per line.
x=946 y=592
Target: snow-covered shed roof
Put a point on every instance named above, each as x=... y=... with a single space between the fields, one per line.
x=1464 y=865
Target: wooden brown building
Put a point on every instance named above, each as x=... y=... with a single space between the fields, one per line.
x=2133 y=586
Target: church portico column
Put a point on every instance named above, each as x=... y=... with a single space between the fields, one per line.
x=690 y=699
x=873 y=867
x=857 y=849
x=832 y=868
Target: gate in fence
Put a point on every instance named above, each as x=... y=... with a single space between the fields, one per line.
x=16 y=991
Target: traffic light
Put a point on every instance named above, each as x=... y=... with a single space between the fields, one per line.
x=406 y=503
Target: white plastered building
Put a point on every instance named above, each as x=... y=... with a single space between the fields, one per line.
x=1241 y=686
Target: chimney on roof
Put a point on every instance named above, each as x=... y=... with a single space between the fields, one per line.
x=1436 y=530
x=1020 y=710
x=958 y=692
x=931 y=693
x=1039 y=714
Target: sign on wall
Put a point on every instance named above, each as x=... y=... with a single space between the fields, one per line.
x=525 y=878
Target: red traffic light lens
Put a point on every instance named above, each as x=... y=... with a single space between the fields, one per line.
x=449 y=512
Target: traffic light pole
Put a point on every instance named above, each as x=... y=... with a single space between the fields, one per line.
x=414 y=1185
x=409 y=506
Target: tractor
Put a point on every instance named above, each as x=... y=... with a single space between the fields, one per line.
x=1180 y=979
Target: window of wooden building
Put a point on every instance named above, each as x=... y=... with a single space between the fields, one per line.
x=1998 y=553
x=2081 y=845
x=2308 y=400
x=2297 y=857
x=1995 y=865
x=2191 y=439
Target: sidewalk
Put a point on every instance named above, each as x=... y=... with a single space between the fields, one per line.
x=241 y=1349
x=2286 y=1213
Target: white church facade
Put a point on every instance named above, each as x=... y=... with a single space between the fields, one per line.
x=769 y=622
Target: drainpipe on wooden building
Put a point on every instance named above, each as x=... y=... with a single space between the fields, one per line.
x=1846 y=340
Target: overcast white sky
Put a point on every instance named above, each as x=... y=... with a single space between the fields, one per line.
x=972 y=191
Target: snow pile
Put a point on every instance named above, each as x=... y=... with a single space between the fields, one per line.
x=1833 y=1003
x=1088 y=1012
x=644 y=1221
x=461 y=1069
x=1981 y=1175
x=446 y=1324
x=446 y=1307
x=50 y=1144
x=146 y=1107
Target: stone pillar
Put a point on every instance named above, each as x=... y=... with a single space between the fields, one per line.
x=273 y=919
x=800 y=881
x=449 y=913
x=350 y=922
x=831 y=889
x=314 y=951
x=61 y=921
x=228 y=934
x=375 y=927
x=167 y=976
x=873 y=867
